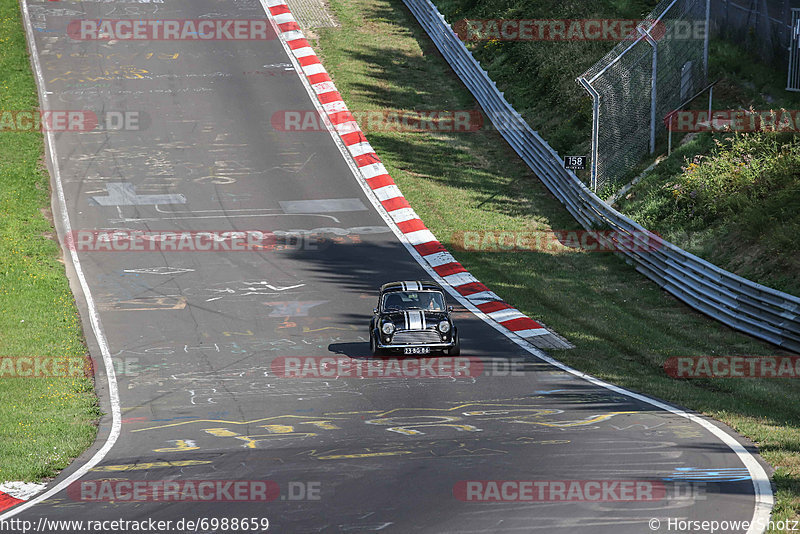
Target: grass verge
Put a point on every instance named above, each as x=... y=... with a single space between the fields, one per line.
x=44 y=423
x=624 y=327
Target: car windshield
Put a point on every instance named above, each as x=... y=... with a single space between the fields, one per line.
x=414 y=300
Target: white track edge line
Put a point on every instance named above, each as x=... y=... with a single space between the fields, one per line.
x=762 y=489
x=94 y=317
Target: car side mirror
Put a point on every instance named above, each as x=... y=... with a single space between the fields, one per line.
x=449 y=308
x=375 y=311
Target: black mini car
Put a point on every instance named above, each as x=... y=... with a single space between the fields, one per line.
x=412 y=318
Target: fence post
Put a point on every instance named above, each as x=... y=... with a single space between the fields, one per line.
x=706 y=38
x=595 y=130
x=792 y=82
x=653 y=87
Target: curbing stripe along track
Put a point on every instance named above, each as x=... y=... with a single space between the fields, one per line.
x=13 y=493
x=392 y=199
x=7 y=501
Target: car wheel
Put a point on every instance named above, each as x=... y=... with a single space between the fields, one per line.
x=455 y=350
x=373 y=346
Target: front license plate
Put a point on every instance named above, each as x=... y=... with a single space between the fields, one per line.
x=417 y=350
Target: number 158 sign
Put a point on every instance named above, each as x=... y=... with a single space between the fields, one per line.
x=575 y=163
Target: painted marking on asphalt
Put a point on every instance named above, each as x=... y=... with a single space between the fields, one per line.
x=730 y=474
x=181 y=445
x=446 y=448
x=168 y=302
x=229 y=334
x=524 y=407
x=278 y=429
x=253 y=286
x=566 y=424
x=221 y=432
x=408 y=428
x=158 y=270
x=538 y=411
x=224 y=422
x=528 y=440
x=363 y=455
x=409 y=431
x=306 y=329
x=124 y=194
x=150 y=465
x=330 y=205
x=293 y=308
x=325 y=425
x=270 y=437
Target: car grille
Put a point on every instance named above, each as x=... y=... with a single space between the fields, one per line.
x=407 y=337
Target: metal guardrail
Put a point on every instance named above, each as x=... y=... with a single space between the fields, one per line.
x=735 y=301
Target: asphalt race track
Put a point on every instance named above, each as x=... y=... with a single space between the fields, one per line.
x=193 y=335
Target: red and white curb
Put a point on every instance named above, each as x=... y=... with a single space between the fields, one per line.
x=13 y=493
x=390 y=197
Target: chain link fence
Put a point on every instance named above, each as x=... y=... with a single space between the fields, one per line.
x=640 y=81
x=762 y=26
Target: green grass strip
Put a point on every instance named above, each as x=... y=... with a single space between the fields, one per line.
x=44 y=422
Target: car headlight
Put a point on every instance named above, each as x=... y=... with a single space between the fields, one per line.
x=388 y=328
x=444 y=327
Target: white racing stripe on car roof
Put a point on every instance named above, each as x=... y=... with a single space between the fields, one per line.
x=412 y=285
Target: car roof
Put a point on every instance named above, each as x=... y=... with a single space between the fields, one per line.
x=413 y=285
